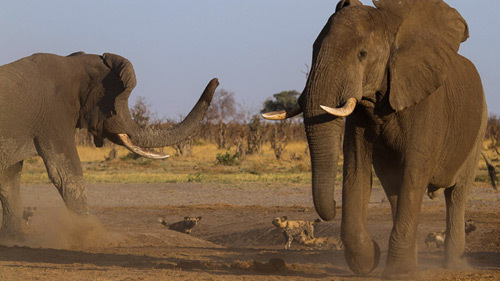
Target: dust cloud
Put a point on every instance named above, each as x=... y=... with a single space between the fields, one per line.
x=59 y=228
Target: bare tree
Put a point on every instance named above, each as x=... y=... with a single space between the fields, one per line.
x=141 y=112
x=221 y=112
x=255 y=137
x=279 y=139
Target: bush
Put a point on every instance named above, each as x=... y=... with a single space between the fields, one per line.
x=130 y=156
x=198 y=177
x=227 y=159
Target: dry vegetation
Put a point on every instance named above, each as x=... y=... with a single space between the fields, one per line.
x=236 y=147
x=206 y=163
x=201 y=166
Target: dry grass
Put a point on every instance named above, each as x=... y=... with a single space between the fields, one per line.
x=200 y=167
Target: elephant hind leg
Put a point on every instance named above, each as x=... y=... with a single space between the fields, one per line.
x=10 y=197
x=456 y=199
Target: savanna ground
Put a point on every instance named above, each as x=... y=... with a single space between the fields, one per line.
x=235 y=240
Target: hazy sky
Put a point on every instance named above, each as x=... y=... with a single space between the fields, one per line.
x=256 y=48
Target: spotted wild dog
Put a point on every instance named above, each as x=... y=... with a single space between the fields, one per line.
x=291 y=228
x=437 y=238
x=327 y=242
x=184 y=226
x=28 y=214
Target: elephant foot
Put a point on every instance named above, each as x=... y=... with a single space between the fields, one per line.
x=12 y=236
x=398 y=274
x=363 y=261
x=79 y=208
x=401 y=270
x=455 y=263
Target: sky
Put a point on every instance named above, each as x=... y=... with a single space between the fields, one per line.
x=256 y=48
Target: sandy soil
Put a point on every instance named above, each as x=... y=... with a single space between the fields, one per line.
x=235 y=240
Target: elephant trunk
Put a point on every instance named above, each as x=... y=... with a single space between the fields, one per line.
x=150 y=138
x=323 y=137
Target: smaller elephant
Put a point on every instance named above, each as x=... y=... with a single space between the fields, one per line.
x=45 y=97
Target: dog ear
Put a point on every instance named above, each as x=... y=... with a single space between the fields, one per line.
x=284 y=217
x=186 y=218
x=198 y=218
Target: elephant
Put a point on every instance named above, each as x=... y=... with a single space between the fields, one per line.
x=414 y=111
x=45 y=97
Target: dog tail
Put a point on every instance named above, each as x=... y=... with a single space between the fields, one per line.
x=491 y=171
x=163 y=222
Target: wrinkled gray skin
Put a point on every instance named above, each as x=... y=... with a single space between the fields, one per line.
x=45 y=97
x=419 y=122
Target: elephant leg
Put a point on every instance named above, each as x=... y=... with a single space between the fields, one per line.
x=456 y=199
x=402 y=258
x=64 y=169
x=362 y=254
x=454 y=244
x=10 y=197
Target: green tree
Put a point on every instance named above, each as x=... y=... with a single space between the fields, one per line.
x=281 y=101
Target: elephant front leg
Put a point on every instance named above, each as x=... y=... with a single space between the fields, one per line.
x=10 y=197
x=64 y=170
x=402 y=257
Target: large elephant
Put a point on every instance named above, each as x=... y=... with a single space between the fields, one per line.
x=415 y=111
x=44 y=97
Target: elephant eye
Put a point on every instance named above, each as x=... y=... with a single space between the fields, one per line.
x=362 y=54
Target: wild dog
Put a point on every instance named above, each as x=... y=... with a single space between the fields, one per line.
x=28 y=214
x=469 y=226
x=184 y=226
x=330 y=242
x=437 y=238
x=291 y=228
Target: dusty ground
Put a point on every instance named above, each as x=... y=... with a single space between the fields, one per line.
x=234 y=240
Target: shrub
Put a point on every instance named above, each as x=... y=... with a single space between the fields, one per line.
x=228 y=159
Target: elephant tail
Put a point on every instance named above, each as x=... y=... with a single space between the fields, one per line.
x=491 y=171
x=493 y=176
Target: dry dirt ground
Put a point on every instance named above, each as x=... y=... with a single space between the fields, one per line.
x=235 y=239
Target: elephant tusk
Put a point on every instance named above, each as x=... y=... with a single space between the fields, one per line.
x=282 y=114
x=127 y=142
x=343 y=111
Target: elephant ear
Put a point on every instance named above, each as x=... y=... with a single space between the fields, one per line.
x=345 y=3
x=118 y=85
x=123 y=68
x=428 y=35
x=110 y=98
x=119 y=89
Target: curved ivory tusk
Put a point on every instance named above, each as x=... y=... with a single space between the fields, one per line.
x=127 y=142
x=282 y=114
x=343 y=111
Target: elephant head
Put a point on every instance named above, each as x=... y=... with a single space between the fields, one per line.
x=105 y=112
